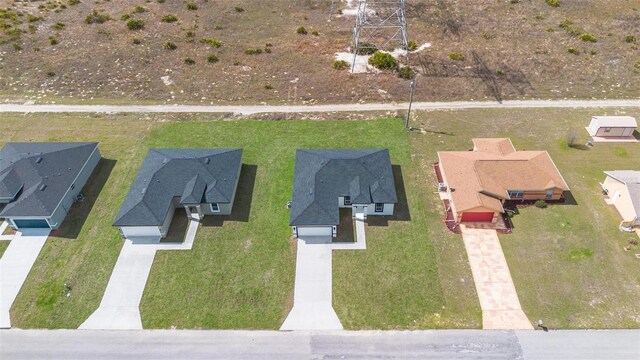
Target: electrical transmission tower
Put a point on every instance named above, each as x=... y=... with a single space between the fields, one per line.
x=380 y=24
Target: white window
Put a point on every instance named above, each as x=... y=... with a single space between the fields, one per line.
x=347 y=200
x=215 y=207
x=516 y=194
x=607 y=129
x=379 y=207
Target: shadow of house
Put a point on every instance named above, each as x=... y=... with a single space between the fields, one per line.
x=346 y=229
x=401 y=210
x=79 y=212
x=636 y=135
x=242 y=203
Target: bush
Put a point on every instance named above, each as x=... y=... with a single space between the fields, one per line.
x=573 y=51
x=125 y=17
x=17 y=47
x=190 y=34
x=315 y=32
x=135 y=24
x=192 y=6
x=540 y=204
x=189 y=61
x=169 y=18
x=253 y=51
x=553 y=3
x=139 y=9
x=268 y=86
x=136 y=41
x=406 y=72
x=51 y=74
x=73 y=2
x=33 y=18
x=53 y=40
x=456 y=56
x=58 y=26
x=631 y=39
x=340 y=64
x=96 y=18
x=383 y=61
x=588 y=37
x=169 y=45
x=211 y=41
x=301 y=30
x=412 y=45
x=365 y=48
x=239 y=9
x=212 y=58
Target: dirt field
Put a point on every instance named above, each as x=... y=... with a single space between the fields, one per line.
x=511 y=49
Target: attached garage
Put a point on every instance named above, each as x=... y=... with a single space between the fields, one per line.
x=140 y=231
x=477 y=217
x=31 y=224
x=314 y=231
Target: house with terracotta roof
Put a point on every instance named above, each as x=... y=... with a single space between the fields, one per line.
x=477 y=183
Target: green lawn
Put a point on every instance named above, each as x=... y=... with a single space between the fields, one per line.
x=3 y=246
x=567 y=261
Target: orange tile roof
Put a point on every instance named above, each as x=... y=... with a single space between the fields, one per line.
x=481 y=178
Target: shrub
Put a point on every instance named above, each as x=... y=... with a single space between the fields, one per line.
x=253 y=51
x=53 y=40
x=211 y=41
x=192 y=6
x=17 y=47
x=406 y=72
x=125 y=17
x=567 y=24
x=315 y=32
x=160 y=1
x=136 y=41
x=573 y=51
x=412 y=45
x=189 y=61
x=139 y=9
x=135 y=24
x=73 y=2
x=553 y=3
x=169 y=45
x=239 y=9
x=365 y=48
x=456 y=56
x=539 y=17
x=190 y=34
x=96 y=18
x=383 y=61
x=51 y=74
x=33 y=18
x=631 y=39
x=340 y=64
x=301 y=30
x=268 y=86
x=637 y=65
x=169 y=18
x=58 y=26
x=541 y=204
x=267 y=50
x=212 y=58
x=588 y=37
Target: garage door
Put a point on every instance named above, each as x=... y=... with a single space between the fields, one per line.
x=477 y=217
x=315 y=231
x=31 y=224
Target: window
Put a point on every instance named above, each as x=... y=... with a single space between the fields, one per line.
x=73 y=186
x=214 y=207
x=347 y=200
x=516 y=194
x=607 y=130
x=379 y=207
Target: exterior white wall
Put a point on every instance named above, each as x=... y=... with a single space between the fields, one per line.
x=615 y=131
x=140 y=231
x=164 y=229
x=388 y=209
x=341 y=202
x=314 y=231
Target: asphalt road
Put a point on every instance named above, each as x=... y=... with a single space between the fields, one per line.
x=248 y=345
x=255 y=109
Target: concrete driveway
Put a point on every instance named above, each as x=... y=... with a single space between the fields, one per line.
x=498 y=298
x=312 y=299
x=15 y=264
x=119 y=308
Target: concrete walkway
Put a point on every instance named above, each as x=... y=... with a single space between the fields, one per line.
x=119 y=308
x=256 y=109
x=15 y=264
x=312 y=299
x=498 y=298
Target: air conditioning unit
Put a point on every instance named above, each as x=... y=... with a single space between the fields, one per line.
x=442 y=187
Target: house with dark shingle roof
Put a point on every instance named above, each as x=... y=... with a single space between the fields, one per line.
x=327 y=180
x=203 y=181
x=622 y=188
x=39 y=182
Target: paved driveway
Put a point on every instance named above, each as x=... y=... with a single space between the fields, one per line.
x=498 y=298
x=312 y=299
x=119 y=308
x=15 y=264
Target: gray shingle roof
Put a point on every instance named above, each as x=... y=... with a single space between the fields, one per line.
x=631 y=178
x=321 y=176
x=44 y=172
x=209 y=175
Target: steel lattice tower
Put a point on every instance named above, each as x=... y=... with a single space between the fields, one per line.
x=380 y=23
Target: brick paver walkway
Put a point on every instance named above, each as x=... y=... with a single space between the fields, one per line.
x=498 y=298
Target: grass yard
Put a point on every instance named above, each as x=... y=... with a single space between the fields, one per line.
x=3 y=246
x=566 y=261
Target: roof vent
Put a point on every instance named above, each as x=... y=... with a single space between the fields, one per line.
x=206 y=160
x=143 y=190
x=42 y=187
x=164 y=161
x=39 y=160
x=310 y=191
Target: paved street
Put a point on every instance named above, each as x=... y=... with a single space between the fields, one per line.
x=443 y=344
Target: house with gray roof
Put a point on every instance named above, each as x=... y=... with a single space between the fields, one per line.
x=327 y=180
x=622 y=188
x=39 y=182
x=202 y=181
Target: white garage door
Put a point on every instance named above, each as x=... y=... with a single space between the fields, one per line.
x=140 y=231
x=315 y=231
